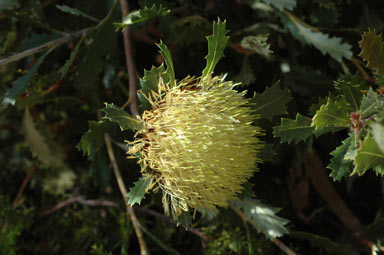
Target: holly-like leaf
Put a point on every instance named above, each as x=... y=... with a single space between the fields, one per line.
x=137 y=192
x=377 y=131
x=21 y=84
x=351 y=92
x=93 y=139
x=169 y=73
x=335 y=113
x=216 y=45
x=258 y=44
x=294 y=130
x=339 y=165
x=121 y=117
x=76 y=12
x=263 y=217
x=370 y=104
x=143 y=15
x=327 y=45
x=368 y=156
x=371 y=46
x=281 y=4
x=150 y=82
x=271 y=102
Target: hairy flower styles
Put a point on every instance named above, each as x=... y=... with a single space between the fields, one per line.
x=198 y=143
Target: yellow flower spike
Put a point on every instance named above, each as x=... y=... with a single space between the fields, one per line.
x=197 y=143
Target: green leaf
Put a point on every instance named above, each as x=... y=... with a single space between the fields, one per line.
x=258 y=44
x=368 y=156
x=351 y=92
x=121 y=117
x=64 y=70
x=216 y=45
x=143 y=15
x=100 y=168
x=267 y=153
x=294 y=130
x=184 y=219
x=324 y=243
x=76 y=12
x=306 y=34
x=271 y=102
x=370 y=104
x=339 y=165
x=246 y=75
x=377 y=131
x=137 y=192
x=334 y=113
x=151 y=79
x=263 y=217
x=169 y=73
x=371 y=46
x=281 y=4
x=21 y=84
x=93 y=139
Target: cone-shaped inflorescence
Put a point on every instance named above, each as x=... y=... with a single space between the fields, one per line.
x=198 y=144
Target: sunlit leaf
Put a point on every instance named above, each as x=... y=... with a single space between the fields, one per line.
x=333 y=113
x=137 y=192
x=294 y=130
x=368 y=156
x=121 y=117
x=169 y=73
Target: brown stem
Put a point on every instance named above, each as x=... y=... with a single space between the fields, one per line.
x=27 y=178
x=132 y=100
x=123 y=191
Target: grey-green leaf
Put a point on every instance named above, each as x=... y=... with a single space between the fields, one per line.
x=76 y=12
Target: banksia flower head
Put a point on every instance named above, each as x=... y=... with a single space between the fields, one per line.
x=197 y=143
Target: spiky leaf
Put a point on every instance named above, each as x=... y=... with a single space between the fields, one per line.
x=169 y=73
x=21 y=84
x=143 y=15
x=368 y=156
x=370 y=104
x=121 y=117
x=150 y=82
x=258 y=44
x=294 y=130
x=137 y=192
x=281 y=4
x=216 y=45
x=272 y=102
x=371 y=46
x=335 y=113
x=93 y=139
x=351 y=92
x=76 y=12
x=377 y=131
x=263 y=217
x=323 y=42
x=339 y=165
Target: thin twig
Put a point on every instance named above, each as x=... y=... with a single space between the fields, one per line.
x=276 y=241
x=132 y=100
x=171 y=221
x=123 y=191
x=43 y=47
x=16 y=202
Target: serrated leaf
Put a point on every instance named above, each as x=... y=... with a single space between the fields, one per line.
x=121 y=117
x=246 y=75
x=272 y=102
x=339 y=165
x=64 y=70
x=258 y=44
x=137 y=192
x=263 y=217
x=323 y=42
x=148 y=83
x=93 y=139
x=370 y=104
x=169 y=73
x=377 y=131
x=143 y=15
x=281 y=4
x=21 y=84
x=294 y=130
x=379 y=170
x=184 y=219
x=216 y=45
x=335 y=113
x=371 y=46
x=368 y=156
x=76 y=12
x=351 y=92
